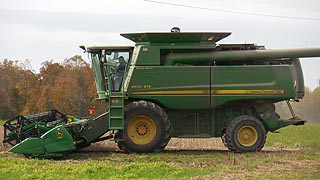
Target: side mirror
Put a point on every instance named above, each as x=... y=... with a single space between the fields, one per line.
x=83 y=48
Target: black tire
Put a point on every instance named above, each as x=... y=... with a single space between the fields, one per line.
x=146 y=128
x=245 y=134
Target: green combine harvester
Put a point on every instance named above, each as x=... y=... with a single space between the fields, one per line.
x=174 y=85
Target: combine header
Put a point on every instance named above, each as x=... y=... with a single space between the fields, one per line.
x=174 y=85
x=52 y=133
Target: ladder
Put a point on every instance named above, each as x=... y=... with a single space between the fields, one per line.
x=116 y=111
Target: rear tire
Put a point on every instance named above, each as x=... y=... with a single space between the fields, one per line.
x=147 y=128
x=245 y=134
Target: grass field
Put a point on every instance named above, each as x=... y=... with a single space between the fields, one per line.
x=294 y=153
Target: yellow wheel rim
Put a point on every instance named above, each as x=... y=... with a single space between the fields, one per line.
x=141 y=130
x=247 y=136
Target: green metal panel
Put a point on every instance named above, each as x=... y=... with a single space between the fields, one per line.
x=95 y=128
x=98 y=76
x=180 y=38
x=28 y=146
x=234 y=83
x=297 y=76
x=149 y=56
x=178 y=87
x=56 y=140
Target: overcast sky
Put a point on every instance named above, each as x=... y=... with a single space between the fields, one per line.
x=41 y=30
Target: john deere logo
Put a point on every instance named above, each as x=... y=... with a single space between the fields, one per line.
x=59 y=134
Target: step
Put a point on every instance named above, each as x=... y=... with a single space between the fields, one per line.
x=115 y=117
x=116 y=107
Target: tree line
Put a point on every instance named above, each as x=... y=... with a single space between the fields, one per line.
x=307 y=109
x=69 y=87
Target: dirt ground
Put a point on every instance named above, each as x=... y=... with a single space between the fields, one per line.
x=174 y=144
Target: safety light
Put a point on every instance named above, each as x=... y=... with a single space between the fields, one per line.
x=70 y=119
x=91 y=111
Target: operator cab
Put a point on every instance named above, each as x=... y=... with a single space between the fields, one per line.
x=110 y=66
x=116 y=62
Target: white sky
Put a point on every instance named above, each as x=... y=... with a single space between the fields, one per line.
x=41 y=30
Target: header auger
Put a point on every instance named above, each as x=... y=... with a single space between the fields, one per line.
x=174 y=85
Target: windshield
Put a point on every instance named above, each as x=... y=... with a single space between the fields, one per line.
x=116 y=65
x=109 y=66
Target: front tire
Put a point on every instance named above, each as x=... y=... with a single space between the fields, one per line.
x=147 y=128
x=245 y=134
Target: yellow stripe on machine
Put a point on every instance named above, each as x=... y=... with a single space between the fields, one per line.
x=182 y=92
x=245 y=92
x=213 y=92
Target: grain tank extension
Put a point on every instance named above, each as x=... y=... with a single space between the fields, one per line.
x=178 y=85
